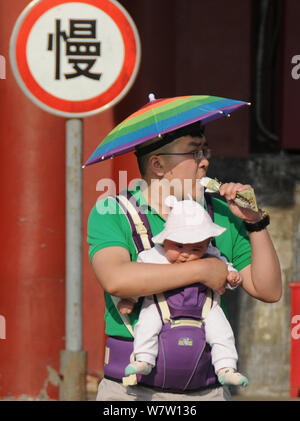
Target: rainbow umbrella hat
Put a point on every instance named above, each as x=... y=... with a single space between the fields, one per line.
x=161 y=116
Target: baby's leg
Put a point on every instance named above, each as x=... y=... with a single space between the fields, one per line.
x=224 y=355
x=229 y=376
x=146 y=333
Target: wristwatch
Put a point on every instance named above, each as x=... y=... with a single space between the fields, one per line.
x=260 y=225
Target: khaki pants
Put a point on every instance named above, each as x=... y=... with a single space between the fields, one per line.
x=113 y=391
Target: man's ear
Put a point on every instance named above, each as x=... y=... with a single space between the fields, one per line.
x=155 y=163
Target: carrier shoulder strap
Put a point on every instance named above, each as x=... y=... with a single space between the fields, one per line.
x=164 y=308
x=141 y=233
x=208 y=303
x=165 y=311
x=138 y=221
x=210 y=211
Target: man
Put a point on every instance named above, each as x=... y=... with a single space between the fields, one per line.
x=179 y=156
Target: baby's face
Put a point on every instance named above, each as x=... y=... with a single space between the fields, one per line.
x=181 y=253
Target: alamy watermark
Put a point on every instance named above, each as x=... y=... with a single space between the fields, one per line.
x=296 y=329
x=2 y=327
x=2 y=67
x=160 y=189
x=296 y=69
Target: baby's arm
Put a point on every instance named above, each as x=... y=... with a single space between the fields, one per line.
x=234 y=278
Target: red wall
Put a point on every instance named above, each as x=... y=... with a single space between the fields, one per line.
x=33 y=234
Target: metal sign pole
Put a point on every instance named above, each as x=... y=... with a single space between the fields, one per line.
x=73 y=234
x=73 y=359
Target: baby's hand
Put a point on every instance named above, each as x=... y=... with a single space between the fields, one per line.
x=125 y=306
x=234 y=278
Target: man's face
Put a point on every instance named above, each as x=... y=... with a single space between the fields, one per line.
x=184 y=167
x=181 y=253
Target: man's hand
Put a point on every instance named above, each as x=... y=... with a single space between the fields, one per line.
x=229 y=191
x=261 y=279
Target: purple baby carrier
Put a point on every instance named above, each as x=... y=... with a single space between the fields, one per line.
x=184 y=358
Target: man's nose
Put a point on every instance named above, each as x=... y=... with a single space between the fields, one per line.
x=203 y=163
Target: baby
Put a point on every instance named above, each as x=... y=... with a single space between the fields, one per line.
x=186 y=237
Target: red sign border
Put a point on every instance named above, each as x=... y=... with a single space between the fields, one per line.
x=113 y=93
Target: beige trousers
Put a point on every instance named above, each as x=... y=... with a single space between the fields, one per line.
x=113 y=391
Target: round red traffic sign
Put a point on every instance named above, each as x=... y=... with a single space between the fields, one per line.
x=75 y=58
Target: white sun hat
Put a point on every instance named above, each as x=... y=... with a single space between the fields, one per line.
x=187 y=223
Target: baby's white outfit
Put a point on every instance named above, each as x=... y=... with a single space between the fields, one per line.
x=219 y=334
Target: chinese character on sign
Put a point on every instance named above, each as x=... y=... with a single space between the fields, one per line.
x=80 y=49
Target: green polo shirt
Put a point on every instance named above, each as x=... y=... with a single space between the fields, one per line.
x=108 y=227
